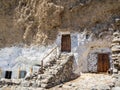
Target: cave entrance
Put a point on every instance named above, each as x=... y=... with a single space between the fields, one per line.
x=66 y=43
x=22 y=74
x=103 y=63
x=8 y=74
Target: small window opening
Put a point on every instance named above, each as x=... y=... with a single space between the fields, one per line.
x=87 y=36
x=8 y=74
x=22 y=74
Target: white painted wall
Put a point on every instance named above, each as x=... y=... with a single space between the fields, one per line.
x=14 y=58
x=79 y=49
x=85 y=58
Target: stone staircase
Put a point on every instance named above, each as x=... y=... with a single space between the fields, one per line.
x=59 y=70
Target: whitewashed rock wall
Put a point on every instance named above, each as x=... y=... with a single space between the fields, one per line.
x=79 y=49
x=21 y=58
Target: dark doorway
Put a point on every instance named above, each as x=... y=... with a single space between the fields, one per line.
x=8 y=74
x=103 y=63
x=22 y=74
x=66 y=43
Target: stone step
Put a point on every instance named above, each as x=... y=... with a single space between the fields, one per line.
x=43 y=85
x=114 y=55
x=115 y=44
x=116 y=40
x=116 y=34
x=44 y=76
x=114 y=59
x=116 y=48
x=55 y=74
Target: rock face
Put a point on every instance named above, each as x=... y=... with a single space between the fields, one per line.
x=39 y=16
x=61 y=71
x=116 y=46
x=9 y=35
x=38 y=21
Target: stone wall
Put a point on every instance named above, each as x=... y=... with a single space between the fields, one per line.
x=116 y=49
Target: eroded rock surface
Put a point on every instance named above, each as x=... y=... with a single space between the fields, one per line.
x=39 y=21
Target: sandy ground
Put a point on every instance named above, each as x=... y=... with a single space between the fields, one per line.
x=86 y=81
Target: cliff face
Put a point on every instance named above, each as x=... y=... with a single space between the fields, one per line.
x=39 y=21
x=9 y=34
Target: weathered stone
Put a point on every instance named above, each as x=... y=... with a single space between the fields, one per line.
x=67 y=86
x=7 y=82
x=39 y=77
x=101 y=87
x=115 y=34
x=26 y=83
x=34 y=85
x=116 y=88
x=117 y=84
x=116 y=48
x=115 y=71
x=16 y=81
x=44 y=85
x=45 y=81
x=34 y=78
x=60 y=86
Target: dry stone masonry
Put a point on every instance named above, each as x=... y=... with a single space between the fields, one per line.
x=60 y=71
x=116 y=50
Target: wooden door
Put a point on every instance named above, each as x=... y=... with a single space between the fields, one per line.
x=103 y=63
x=66 y=43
